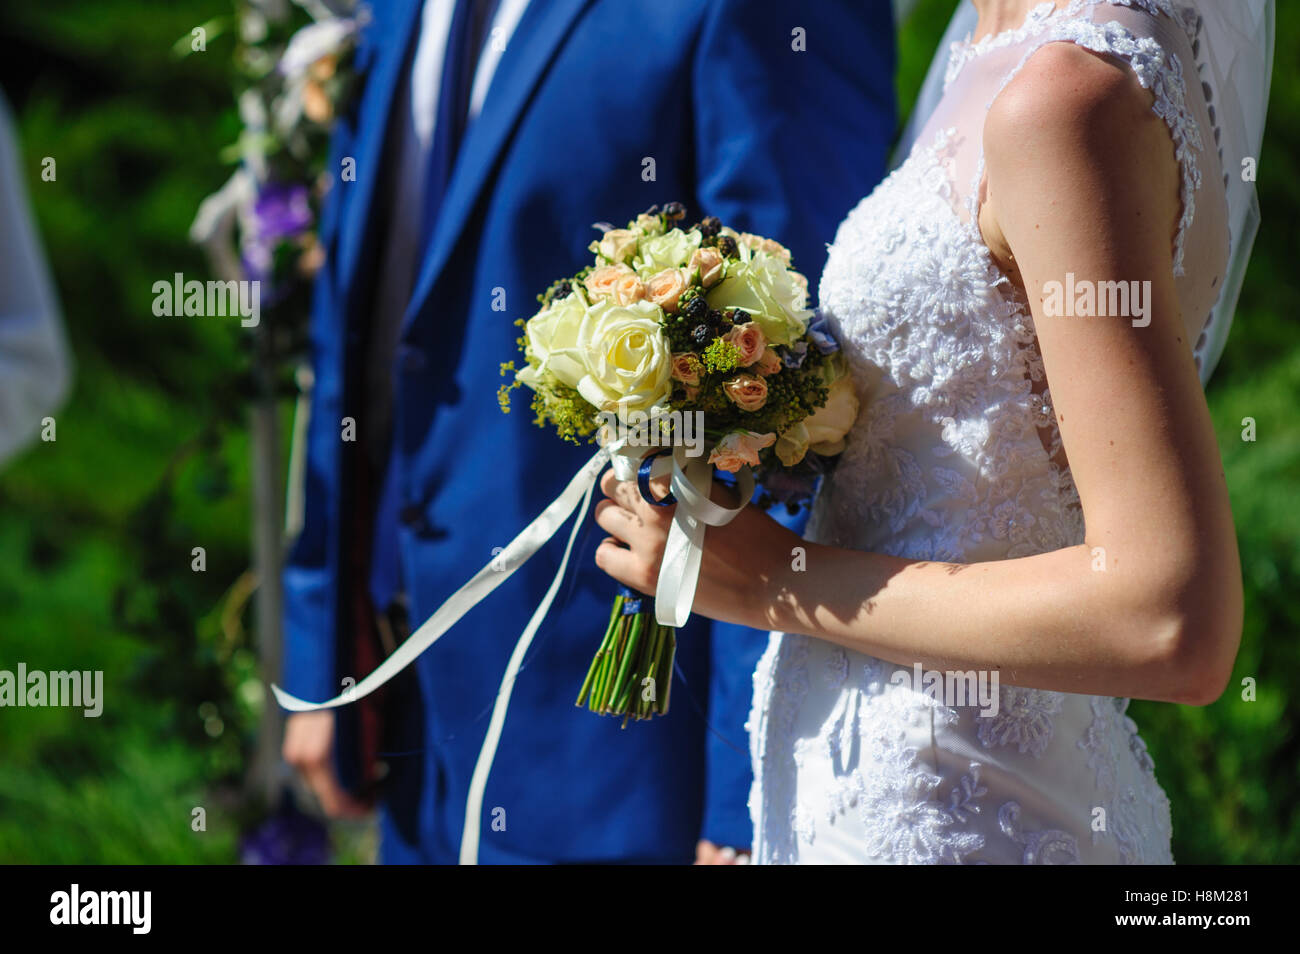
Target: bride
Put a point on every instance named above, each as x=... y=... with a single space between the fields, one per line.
x=1032 y=493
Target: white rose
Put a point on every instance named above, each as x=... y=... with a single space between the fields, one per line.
x=627 y=358
x=774 y=296
x=552 y=337
x=673 y=249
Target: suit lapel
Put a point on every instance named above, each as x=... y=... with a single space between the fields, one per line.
x=384 y=52
x=532 y=47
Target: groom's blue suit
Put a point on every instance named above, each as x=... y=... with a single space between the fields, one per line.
x=739 y=123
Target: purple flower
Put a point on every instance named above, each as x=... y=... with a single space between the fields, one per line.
x=819 y=333
x=794 y=355
x=281 y=211
x=258 y=258
x=286 y=838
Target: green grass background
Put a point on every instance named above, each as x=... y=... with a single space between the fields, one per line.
x=96 y=528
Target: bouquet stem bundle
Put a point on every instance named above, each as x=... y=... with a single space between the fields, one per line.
x=634 y=661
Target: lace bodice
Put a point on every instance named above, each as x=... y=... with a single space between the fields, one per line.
x=956 y=457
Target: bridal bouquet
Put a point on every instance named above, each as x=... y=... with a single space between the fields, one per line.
x=696 y=339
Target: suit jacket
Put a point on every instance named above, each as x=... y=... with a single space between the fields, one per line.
x=598 y=110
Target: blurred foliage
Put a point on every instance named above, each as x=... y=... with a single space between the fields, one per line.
x=151 y=460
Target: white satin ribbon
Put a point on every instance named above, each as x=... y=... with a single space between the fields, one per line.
x=679 y=572
x=532 y=539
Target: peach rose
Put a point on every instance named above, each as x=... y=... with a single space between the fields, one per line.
x=710 y=263
x=629 y=289
x=665 y=288
x=686 y=368
x=739 y=448
x=749 y=340
x=601 y=281
x=768 y=363
x=748 y=392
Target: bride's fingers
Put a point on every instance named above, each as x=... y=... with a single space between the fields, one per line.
x=628 y=496
x=617 y=521
x=623 y=565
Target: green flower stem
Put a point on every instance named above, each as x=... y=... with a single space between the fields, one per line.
x=626 y=658
x=670 y=650
x=598 y=663
x=635 y=647
x=652 y=673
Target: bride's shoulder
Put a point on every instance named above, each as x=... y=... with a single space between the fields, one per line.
x=1063 y=87
x=1068 y=106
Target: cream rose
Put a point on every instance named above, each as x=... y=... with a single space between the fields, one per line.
x=738 y=449
x=747 y=391
x=552 y=339
x=792 y=444
x=601 y=281
x=830 y=424
x=618 y=245
x=673 y=249
x=626 y=356
x=747 y=339
x=650 y=224
x=709 y=264
x=773 y=295
x=666 y=287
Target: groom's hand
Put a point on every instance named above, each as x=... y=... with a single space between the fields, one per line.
x=309 y=748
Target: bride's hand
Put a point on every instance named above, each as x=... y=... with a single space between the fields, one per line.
x=738 y=558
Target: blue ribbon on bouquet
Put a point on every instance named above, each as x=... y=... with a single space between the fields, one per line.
x=674 y=594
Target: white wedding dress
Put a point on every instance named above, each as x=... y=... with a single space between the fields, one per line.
x=956 y=457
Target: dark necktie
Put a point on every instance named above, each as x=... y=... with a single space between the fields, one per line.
x=464 y=41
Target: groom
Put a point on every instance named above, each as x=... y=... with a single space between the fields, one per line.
x=487 y=138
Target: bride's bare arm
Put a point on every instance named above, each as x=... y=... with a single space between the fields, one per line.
x=1082 y=179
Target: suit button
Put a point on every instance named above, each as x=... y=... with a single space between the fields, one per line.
x=410 y=358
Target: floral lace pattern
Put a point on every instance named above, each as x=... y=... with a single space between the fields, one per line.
x=955 y=457
x=1023 y=720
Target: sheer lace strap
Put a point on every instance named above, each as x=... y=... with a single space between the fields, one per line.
x=1157 y=70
